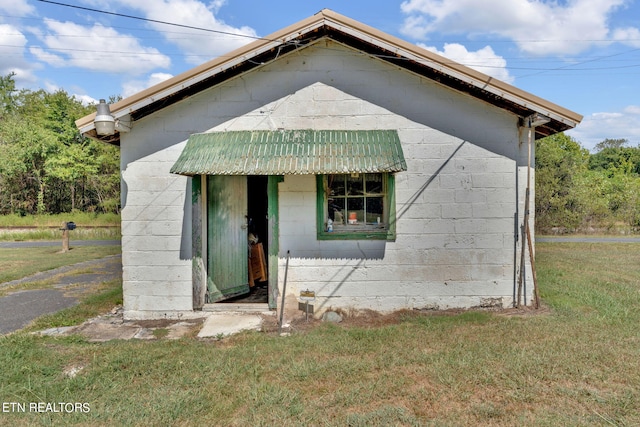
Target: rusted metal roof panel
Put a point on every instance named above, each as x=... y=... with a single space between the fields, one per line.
x=287 y=152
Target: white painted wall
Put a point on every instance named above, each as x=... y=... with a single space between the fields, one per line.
x=455 y=203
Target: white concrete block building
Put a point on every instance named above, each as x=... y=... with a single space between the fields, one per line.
x=375 y=174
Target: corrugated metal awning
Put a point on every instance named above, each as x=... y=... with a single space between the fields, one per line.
x=285 y=152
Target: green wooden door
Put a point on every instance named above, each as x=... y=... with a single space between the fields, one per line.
x=227 y=237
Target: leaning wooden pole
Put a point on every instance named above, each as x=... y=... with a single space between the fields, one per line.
x=284 y=293
x=531 y=122
x=525 y=223
x=526 y=234
x=523 y=248
x=536 y=292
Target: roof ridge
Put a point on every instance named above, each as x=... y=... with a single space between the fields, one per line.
x=346 y=30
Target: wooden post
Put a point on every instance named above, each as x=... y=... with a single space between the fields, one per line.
x=536 y=292
x=526 y=235
x=65 y=237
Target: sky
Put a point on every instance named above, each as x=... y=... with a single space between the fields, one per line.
x=581 y=54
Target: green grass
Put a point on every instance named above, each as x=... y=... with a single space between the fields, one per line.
x=22 y=262
x=572 y=363
x=47 y=227
x=80 y=218
x=99 y=301
x=82 y=233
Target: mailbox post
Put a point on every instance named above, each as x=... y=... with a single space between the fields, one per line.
x=66 y=226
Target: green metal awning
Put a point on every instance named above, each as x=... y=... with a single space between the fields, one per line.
x=285 y=152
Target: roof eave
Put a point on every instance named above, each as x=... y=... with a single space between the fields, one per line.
x=210 y=68
x=397 y=51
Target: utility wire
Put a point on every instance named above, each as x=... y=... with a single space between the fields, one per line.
x=572 y=66
x=539 y=70
x=228 y=33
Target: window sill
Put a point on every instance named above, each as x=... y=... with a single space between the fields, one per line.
x=357 y=235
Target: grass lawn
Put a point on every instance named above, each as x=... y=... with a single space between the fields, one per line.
x=90 y=226
x=81 y=218
x=575 y=362
x=18 y=263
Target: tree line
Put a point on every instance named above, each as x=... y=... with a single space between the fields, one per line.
x=577 y=191
x=46 y=165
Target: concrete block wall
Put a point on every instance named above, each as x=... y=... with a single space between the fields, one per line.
x=156 y=247
x=455 y=249
x=455 y=203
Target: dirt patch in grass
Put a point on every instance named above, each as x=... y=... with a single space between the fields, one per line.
x=363 y=319
x=543 y=310
x=373 y=319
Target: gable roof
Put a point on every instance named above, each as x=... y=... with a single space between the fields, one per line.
x=327 y=23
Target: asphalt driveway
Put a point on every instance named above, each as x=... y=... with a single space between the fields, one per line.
x=587 y=239
x=19 y=308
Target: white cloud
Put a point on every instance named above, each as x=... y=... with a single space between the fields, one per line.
x=17 y=7
x=135 y=86
x=50 y=87
x=96 y=48
x=12 y=60
x=416 y=26
x=597 y=127
x=197 y=46
x=484 y=60
x=633 y=109
x=628 y=35
x=537 y=27
x=47 y=57
x=86 y=99
x=83 y=98
x=12 y=44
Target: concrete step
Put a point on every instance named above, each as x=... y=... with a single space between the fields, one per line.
x=261 y=308
x=221 y=324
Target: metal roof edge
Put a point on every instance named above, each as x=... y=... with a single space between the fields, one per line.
x=355 y=29
x=200 y=72
x=453 y=68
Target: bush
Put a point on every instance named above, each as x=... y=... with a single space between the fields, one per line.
x=576 y=191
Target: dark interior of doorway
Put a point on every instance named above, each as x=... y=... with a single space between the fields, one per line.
x=257 y=225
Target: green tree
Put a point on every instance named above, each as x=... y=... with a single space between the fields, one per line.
x=560 y=161
x=46 y=166
x=60 y=114
x=24 y=149
x=616 y=159
x=72 y=165
x=7 y=93
x=611 y=143
x=575 y=189
x=620 y=164
x=105 y=183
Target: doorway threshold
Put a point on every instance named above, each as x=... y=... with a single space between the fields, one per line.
x=238 y=308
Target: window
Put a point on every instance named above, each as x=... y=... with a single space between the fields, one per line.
x=356 y=206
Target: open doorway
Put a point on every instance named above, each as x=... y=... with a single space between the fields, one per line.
x=258 y=241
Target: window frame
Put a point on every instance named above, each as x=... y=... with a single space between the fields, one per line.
x=388 y=233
